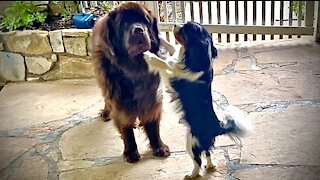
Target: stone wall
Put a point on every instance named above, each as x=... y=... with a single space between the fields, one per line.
x=42 y=55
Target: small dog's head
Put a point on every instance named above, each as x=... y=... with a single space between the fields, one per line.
x=194 y=36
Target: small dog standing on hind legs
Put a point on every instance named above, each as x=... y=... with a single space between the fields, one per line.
x=190 y=78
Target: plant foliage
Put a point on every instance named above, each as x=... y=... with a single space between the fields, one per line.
x=295 y=8
x=22 y=14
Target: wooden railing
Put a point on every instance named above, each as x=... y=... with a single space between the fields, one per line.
x=236 y=21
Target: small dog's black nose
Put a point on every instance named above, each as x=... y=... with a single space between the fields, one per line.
x=137 y=30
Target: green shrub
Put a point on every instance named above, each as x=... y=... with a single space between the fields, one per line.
x=68 y=8
x=295 y=8
x=22 y=14
x=105 y=5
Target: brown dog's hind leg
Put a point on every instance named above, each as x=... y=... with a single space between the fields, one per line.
x=105 y=113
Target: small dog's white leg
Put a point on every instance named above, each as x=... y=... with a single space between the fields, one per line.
x=157 y=64
x=195 y=171
x=209 y=162
x=167 y=45
x=190 y=143
x=189 y=75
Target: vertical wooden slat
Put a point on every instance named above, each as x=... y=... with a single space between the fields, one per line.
x=200 y=12
x=245 y=18
x=237 y=17
x=153 y=7
x=156 y=10
x=228 y=18
x=86 y=4
x=165 y=11
x=174 y=14
x=95 y=4
x=166 y=19
x=183 y=11
x=281 y=17
x=299 y=14
x=168 y=36
x=210 y=12
x=113 y=3
x=192 y=10
x=272 y=17
x=263 y=17
x=254 y=17
x=81 y=8
x=219 y=18
x=174 y=11
x=290 y=16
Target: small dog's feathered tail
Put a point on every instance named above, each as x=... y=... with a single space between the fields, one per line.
x=237 y=123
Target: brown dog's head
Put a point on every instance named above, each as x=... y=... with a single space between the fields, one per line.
x=128 y=31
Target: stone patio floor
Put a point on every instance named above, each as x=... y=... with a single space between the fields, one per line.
x=51 y=130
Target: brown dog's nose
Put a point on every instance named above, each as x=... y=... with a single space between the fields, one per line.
x=138 y=29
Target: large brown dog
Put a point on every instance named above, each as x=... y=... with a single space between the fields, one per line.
x=129 y=90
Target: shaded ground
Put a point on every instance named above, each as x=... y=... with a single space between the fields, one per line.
x=51 y=130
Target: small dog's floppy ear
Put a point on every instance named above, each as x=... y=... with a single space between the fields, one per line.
x=214 y=51
x=103 y=35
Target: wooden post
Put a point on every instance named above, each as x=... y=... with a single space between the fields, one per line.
x=318 y=24
x=152 y=6
x=309 y=13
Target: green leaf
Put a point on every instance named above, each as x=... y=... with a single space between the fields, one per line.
x=40 y=17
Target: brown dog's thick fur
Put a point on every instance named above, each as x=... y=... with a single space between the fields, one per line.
x=129 y=90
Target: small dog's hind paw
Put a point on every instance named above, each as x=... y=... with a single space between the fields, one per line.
x=210 y=167
x=191 y=175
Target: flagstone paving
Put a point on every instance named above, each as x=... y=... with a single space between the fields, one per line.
x=51 y=130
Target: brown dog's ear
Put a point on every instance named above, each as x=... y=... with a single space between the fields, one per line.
x=102 y=35
x=155 y=36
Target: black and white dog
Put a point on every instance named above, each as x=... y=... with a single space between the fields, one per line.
x=190 y=77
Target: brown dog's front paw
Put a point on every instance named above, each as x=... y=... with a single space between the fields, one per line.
x=104 y=115
x=132 y=157
x=162 y=151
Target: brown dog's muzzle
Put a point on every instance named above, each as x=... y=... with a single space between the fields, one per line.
x=138 y=40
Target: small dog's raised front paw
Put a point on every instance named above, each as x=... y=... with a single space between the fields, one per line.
x=195 y=76
x=132 y=157
x=148 y=56
x=162 y=151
